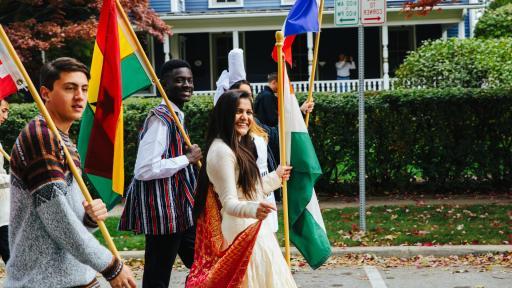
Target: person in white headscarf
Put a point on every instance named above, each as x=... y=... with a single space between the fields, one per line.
x=235 y=73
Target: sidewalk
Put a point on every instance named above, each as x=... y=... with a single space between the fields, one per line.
x=345 y=202
x=392 y=251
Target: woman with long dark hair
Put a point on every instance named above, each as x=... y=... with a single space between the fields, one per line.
x=265 y=138
x=232 y=172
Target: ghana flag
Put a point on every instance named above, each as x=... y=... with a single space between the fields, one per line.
x=116 y=73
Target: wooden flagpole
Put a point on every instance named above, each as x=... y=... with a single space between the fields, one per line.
x=6 y=156
x=154 y=77
x=53 y=128
x=315 y=58
x=282 y=139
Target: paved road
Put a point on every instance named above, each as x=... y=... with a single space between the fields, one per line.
x=404 y=277
x=373 y=277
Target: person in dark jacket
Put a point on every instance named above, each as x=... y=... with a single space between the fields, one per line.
x=265 y=105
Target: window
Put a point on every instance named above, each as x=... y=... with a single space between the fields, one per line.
x=225 y=3
x=287 y=2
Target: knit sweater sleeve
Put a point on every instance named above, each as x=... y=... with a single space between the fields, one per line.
x=221 y=169
x=38 y=161
x=270 y=182
x=66 y=229
x=4 y=177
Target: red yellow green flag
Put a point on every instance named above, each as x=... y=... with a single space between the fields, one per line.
x=117 y=71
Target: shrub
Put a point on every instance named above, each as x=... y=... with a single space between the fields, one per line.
x=495 y=23
x=465 y=63
x=497 y=4
x=416 y=140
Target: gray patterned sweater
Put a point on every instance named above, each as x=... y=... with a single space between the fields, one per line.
x=50 y=245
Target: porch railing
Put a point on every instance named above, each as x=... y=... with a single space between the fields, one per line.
x=337 y=86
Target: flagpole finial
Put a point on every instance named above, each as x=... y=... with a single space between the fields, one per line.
x=279 y=38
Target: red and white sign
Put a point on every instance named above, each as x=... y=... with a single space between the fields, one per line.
x=373 y=12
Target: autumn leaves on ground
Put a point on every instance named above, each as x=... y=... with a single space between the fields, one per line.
x=423 y=225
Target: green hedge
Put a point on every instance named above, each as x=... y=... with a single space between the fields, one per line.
x=467 y=63
x=417 y=140
x=495 y=23
x=442 y=140
x=135 y=111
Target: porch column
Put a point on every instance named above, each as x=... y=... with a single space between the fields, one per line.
x=235 y=40
x=473 y=18
x=175 y=47
x=444 y=29
x=462 y=30
x=310 y=53
x=174 y=6
x=385 y=57
x=166 y=47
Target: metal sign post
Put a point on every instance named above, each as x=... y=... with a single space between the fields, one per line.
x=351 y=13
x=362 y=168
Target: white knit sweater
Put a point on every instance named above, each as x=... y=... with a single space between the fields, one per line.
x=4 y=194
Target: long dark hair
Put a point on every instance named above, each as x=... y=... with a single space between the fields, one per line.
x=222 y=125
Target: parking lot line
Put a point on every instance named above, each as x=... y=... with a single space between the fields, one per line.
x=374 y=276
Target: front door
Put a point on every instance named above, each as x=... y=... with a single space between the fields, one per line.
x=401 y=41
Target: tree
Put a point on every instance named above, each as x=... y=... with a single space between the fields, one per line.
x=423 y=7
x=495 y=23
x=466 y=63
x=420 y=7
x=39 y=25
x=498 y=3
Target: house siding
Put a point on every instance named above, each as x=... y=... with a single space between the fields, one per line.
x=164 y=6
x=161 y=6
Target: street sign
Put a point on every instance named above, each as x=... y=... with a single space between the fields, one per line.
x=373 y=12
x=346 y=13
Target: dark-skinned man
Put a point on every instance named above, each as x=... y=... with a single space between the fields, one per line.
x=160 y=198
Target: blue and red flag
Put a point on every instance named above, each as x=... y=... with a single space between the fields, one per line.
x=303 y=18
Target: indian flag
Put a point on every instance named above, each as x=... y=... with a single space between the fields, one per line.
x=307 y=230
x=117 y=71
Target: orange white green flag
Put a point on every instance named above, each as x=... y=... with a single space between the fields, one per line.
x=117 y=72
x=307 y=229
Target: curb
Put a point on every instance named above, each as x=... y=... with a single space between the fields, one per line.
x=390 y=251
x=411 y=251
x=387 y=251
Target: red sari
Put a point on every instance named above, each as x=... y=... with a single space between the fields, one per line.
x=214 y=267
